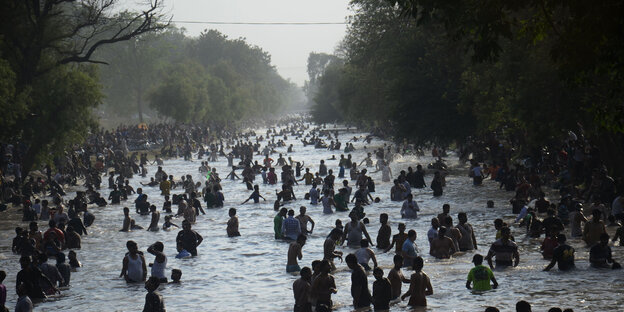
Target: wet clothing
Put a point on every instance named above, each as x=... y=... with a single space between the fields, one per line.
x=480 y=276
x=564 y=255
x=154 y=302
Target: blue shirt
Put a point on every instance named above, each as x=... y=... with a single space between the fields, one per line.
x=410 y=249
x=291 y=228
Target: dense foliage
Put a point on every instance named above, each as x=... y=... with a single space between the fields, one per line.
x=438 y=71
x=48 y=89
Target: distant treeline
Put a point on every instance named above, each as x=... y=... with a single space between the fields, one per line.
x=209 y=78
x=437 y=72
x=63 y=61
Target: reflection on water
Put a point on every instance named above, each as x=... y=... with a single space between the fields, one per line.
x=248 y=273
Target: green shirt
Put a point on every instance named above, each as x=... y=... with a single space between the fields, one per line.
x=277 y=226
x=481 y=275
x=341 y=202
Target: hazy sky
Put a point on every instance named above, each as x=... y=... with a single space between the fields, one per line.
x=288 y=45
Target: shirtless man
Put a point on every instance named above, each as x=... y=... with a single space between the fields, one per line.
x=303 y=220
x=323 y=287
x=127 y=222
x=396 y=277
x=301 y=291
x=420 y=286
x=329 y=248
x=398 y=239
x=384 y=233
x=294 y=253
x=442 y=247
x=468 y=240
x=155 y=218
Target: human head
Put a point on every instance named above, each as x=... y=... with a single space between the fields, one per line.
x=462 y=217
x=561 y=238
x=383 y=218
x=401 y=227
x=411 y=235
x=306 y=273
x=446 y=208
x=232 y=212
x=302 y=210
x=505 y=233
x=351 y=260
x=492 y=309
x=176 y=275
x=364 y=243
x=291 y=213
x=378 y=273
x=152 y=283
x=132 y=246
x=523 y=306
x=477 y=259
x=418 y=263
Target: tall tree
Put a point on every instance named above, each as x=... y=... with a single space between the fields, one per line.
x=43 y=41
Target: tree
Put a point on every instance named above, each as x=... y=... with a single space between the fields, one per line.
x=43 y=41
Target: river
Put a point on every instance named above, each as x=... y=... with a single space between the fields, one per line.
x=248 y=273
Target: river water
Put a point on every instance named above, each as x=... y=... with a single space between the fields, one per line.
x=248 y=273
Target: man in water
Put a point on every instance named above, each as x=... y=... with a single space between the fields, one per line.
x=408 y=250
x=563 y=255
x=294 y=253
x=480 y=276
x=420 y=286
x=277 y=222
x=301 y=291
x=153 y=300
x=505 y=251
x=396 y=277
x=468 y=241
x=382 y=291
x=291 y=228
x=155 y=218
x=442 y=247
x=359 y=283
x=600 y=254
x=304 y=219
x=353 y=231
x=323 y=286
x=188 y=239
x=133 y=268
x=329 y=247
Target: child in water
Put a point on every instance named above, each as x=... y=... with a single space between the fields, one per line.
x=168 y=224
x=232 y=224
x=176 y=275
x=73 y=260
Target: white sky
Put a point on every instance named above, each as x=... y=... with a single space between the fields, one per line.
x=288 y=45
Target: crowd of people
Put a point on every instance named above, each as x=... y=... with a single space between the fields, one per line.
x=108 y=155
